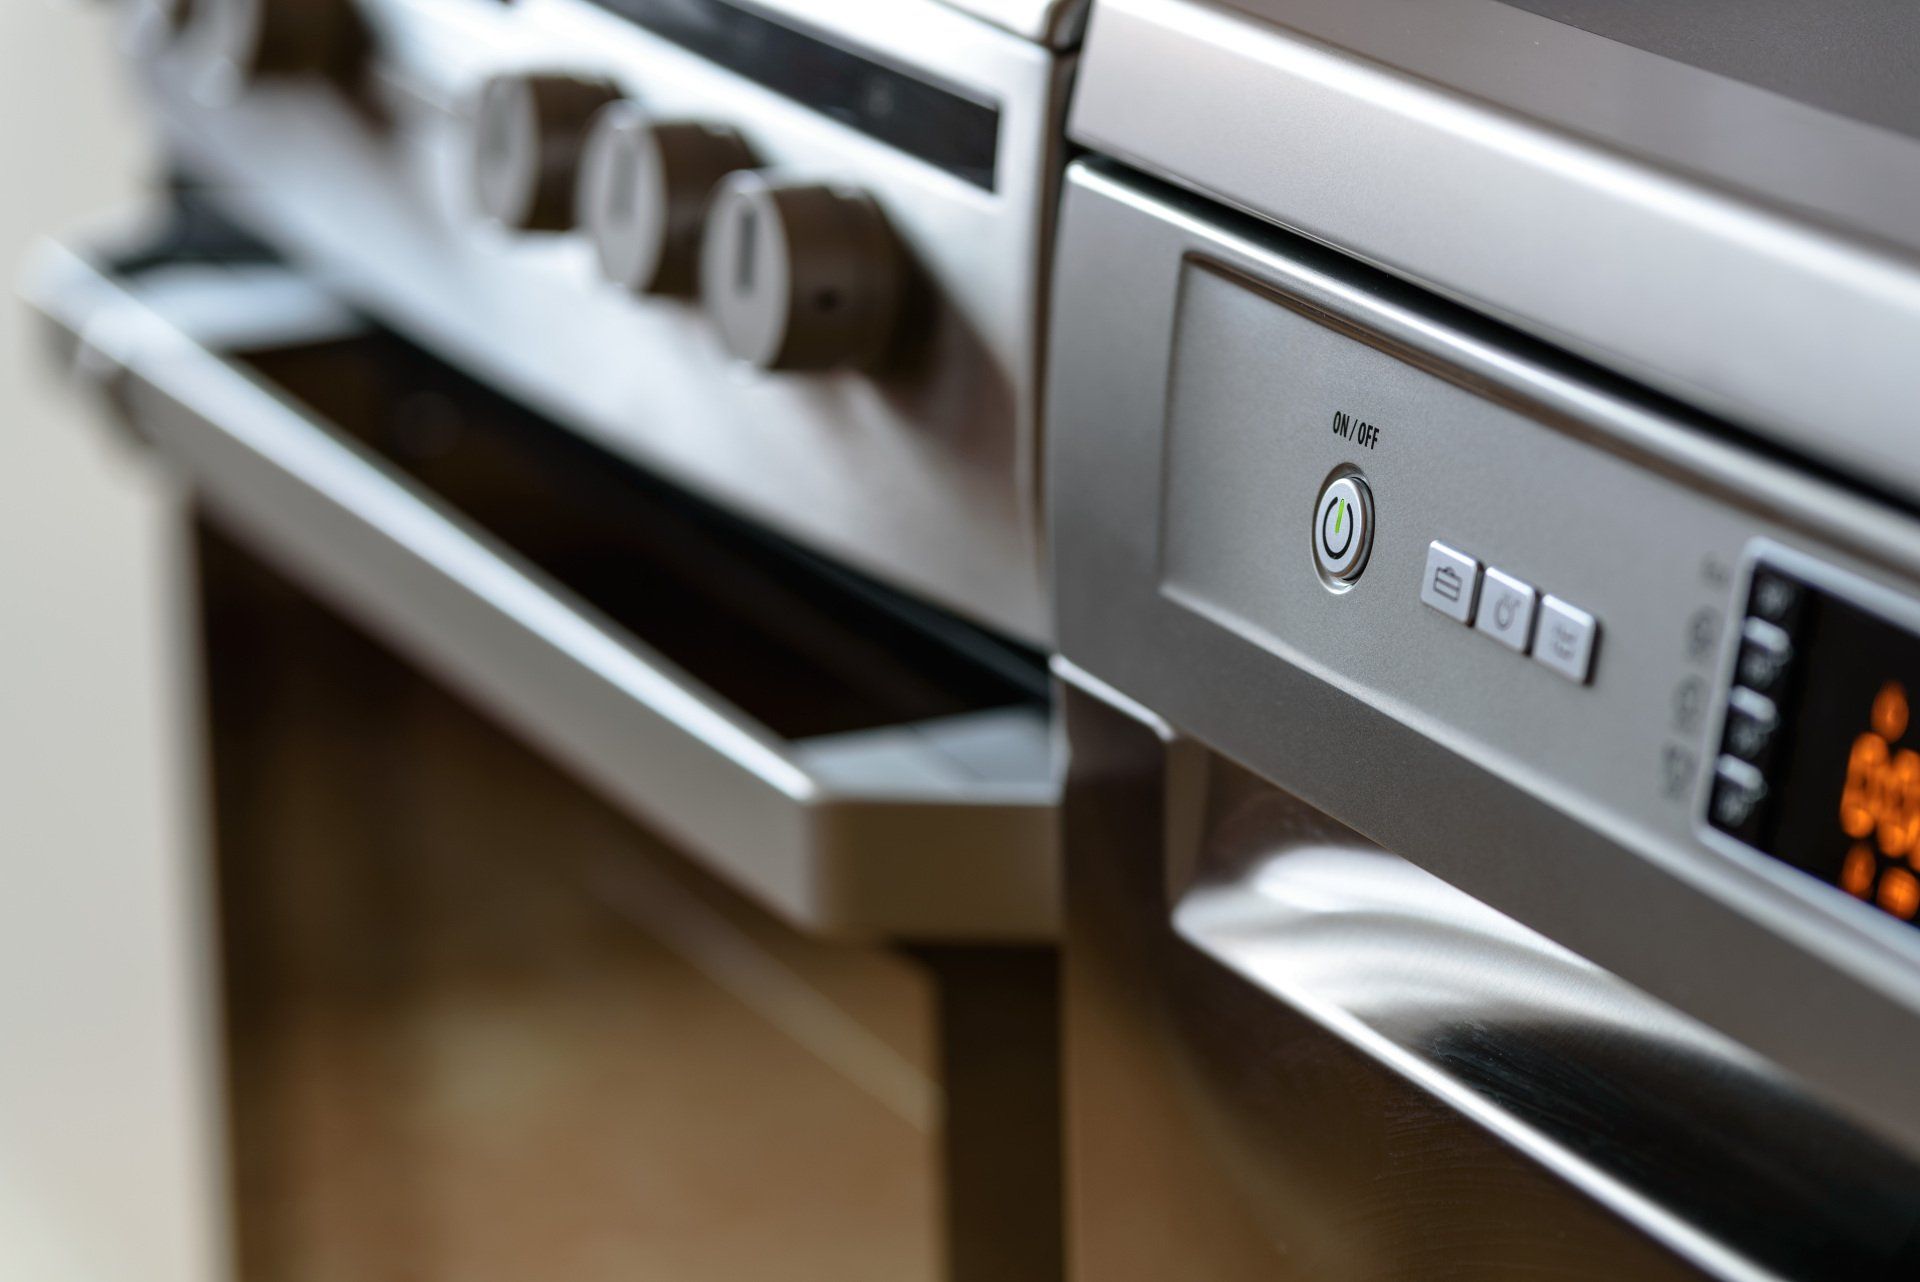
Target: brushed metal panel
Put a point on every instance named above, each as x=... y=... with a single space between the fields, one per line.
x=1315 y=1061
x=1735 y=248
x=1185 y=581
x=923 y=474
x=1051 y=22
x=844 y=835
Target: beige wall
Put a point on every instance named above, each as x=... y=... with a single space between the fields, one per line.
x=106 y=1159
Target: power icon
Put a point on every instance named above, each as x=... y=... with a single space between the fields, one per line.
x=1337 y=524
x=1343 y=529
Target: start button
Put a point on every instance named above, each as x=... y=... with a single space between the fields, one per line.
x=1343 y=529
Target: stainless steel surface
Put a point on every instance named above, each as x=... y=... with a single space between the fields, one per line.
x=1200 y=363
x=1745 y=251
x=1053 y=22
x=923 y=474
x=1850 y=57
x=938 y=830
x=1313 y=1060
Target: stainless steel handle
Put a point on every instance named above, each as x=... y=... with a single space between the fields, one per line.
x=1319 y=1001
x=937 y=830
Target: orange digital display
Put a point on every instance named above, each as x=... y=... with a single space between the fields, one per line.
x=1880 y=809
x=1839 y=753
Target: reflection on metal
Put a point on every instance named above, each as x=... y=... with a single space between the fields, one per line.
x=1318 y=1061
x=1457 y=997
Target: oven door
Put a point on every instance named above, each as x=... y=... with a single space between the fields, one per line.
x=1313 y=1060
x=868 y=787
x=1396 y=949
x=730 y=957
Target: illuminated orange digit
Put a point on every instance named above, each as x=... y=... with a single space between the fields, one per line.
x=1890 y=711
x=1864 y=764
x=1900 y=893
x=1900 y=807
x=1856 y=874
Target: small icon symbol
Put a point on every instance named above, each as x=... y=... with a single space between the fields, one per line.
x=1447 y=583
x=1689 y=703
x=1772 y=598
x=1565 y=643
x=1760 y=668
x=1732 y=807
x=1703 y=629
x=1676 y=772
x=1504 y=611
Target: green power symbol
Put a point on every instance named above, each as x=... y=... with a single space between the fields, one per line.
x=1331 y=542
x=1343 y=529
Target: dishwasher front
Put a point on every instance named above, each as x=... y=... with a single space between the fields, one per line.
x=1489 y=838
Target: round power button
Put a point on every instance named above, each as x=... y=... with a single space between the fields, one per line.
x=1343 y=529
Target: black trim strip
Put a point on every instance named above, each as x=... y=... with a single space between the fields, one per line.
x=903 y=110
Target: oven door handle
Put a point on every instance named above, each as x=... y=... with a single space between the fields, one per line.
x=941 y=830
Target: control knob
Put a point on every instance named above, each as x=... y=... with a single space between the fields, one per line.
x=800 y=276
x=529 y=132
x=644 y=190
x=246 y=41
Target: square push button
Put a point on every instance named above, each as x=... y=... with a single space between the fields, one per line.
x=1566 y=638
x=1506 y=610
x=1451 y=582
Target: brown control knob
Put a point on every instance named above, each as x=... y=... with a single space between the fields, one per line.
x=245 y=41
x=801 y=276
x=644 y=189
x=529 y=132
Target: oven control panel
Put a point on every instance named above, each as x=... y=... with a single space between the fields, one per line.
x=787 y=254
x=1584 y=615
x=1511 y=612
x=1569 y=646
x=1816 y=767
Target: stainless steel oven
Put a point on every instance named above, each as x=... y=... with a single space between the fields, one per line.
x=1444 y=472
x=525 y=188
x=606 y=883
x=1487 y=855
x=660 y=378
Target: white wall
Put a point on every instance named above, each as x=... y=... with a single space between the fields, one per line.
x=107 y=1154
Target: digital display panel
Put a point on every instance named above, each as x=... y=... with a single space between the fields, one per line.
x=1822 y=718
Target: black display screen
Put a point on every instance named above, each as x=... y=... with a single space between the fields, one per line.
x=899 y=108
x=1830 y=781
